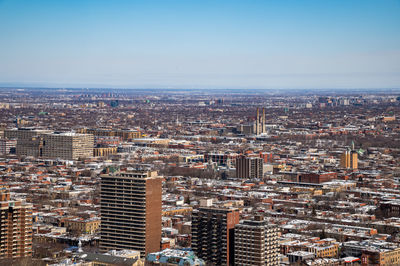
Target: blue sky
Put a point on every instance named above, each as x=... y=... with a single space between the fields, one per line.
x=201 y=44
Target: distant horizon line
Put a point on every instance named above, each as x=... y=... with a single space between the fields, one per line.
x=30 y=86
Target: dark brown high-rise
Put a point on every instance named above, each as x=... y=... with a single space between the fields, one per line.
x=249 y=167
x=131 y=211
x=213 y=234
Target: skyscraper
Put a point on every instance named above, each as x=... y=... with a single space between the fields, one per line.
x=249 y=167
x=213 y=234
x=15 y=226
x=256 y=243
x=131 y=211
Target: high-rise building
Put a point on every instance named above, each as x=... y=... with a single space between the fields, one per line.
x=67 y=145
x=131 y=211
x=15 y=226
x=213 y=234
x=256 y=243
x=349 y=159
x=249 y=167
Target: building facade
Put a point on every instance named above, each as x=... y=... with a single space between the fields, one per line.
x=256 y=243
x=125 y=134
x=213 y=234
x=349 y=159
x=249 y=167
x=44 y=143
x=29 y=140
x=67 y=145
x=15 y=227
x=104 y=151
x=131 y=211
x=82 y=226
x=223 y=159
x=316 y=178
x=7 y=146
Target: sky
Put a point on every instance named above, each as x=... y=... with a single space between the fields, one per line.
x=200 y=44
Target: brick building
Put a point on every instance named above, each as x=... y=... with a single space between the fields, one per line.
x=15 y=226
x=213 y=234
x=131 y=211
x=249 y=167
x=316 y=178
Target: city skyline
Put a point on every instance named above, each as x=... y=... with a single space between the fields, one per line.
x=199 y=177
x=177 y=44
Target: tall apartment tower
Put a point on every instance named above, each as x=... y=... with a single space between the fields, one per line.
x=213 y=234
x=15 y=227
x=260 y=122
x=349 y=159
x=249 y=167
x=67 y=145
x=256 y=243
x=131 y=211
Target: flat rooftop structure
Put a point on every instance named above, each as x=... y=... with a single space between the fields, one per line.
x=71 y=134
x=301 y=184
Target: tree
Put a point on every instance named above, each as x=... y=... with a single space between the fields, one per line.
x=322 y=235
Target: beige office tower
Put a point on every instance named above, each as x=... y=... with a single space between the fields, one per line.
x=256 y=243
x=131 y=211
x=67 y=146
x=29 y=140
x=349 y=159
x=15 y=227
